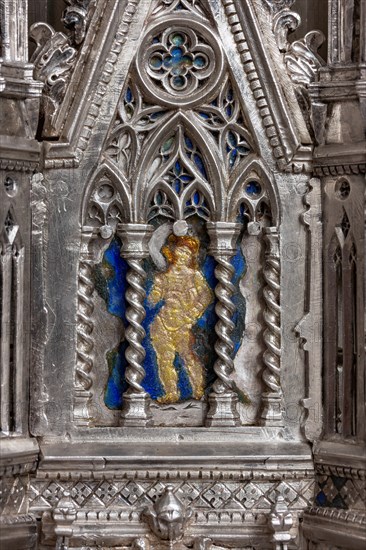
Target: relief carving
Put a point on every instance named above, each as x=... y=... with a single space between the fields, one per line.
x=76 y=17
x=186 y=295
x=56 y=54
x=302 y=59
x=168 y=518
x=168 y=123
x=53 y=61
x=174 y=181
x=303 y=63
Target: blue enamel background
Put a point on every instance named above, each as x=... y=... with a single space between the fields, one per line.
x=110 y=278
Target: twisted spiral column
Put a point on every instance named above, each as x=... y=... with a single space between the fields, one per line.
x=85 y=343
x=272 y=396
x=223 y=399
x=135 y=239
x=135 y=333
x=225 y=309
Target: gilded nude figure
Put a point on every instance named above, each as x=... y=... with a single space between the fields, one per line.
x=186 y=296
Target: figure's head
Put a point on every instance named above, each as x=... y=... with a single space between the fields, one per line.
x=182 y=250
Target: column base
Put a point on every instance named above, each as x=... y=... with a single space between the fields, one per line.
x=82 y=413
x=272 y=413
x=136 y=410
x=222 y=410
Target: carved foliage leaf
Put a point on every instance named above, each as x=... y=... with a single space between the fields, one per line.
x=302 y=59
x=76 y=17
x=53 y=61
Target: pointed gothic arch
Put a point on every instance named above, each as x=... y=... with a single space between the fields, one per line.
x=255 y=170
x=107 y=172
x=212 y=185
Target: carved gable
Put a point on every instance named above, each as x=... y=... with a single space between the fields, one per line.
x=175 y=276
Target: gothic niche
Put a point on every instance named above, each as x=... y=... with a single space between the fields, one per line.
x=179 y=269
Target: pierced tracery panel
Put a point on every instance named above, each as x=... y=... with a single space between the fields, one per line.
x=179 y=64
x=343 y=318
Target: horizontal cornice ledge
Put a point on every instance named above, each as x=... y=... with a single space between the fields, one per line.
x=18 y=455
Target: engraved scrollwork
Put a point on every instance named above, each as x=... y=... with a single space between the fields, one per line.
x=179 y=61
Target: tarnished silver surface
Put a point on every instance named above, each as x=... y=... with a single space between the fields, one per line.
x=272 y=397
x=135 y=241
x=168 y=518
x=264 y=113
x=222 y=400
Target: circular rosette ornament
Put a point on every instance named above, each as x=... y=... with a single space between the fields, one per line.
x=180 y=64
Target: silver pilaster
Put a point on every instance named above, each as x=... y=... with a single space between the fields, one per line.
x=135 y=239
x=85 y=342
x=272 y=396
x=223 y=400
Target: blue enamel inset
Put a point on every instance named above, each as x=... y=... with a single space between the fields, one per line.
x=253 y=188
x=200 y=61
x=199 y=163
x=128 y=95
x=110 y=281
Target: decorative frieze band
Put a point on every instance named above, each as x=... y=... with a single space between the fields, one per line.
x=340 y=169
x=350 y=516
x=340 y=471
x=206 y=495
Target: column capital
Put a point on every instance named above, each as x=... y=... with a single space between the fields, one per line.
x=223 y=237
x=135 y=239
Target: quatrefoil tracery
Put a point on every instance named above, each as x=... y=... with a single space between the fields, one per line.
x=180 y=62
